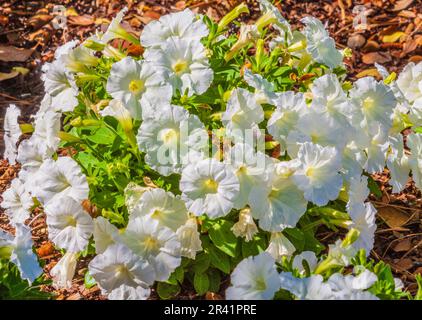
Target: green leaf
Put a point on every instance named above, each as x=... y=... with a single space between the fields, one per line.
x=253 y=247
x=374 y=188
x=223 y=238
x=201 y=283
x=218 y=259
x=167 y=291
x=418 y=278
x=89 y=281
x=215 y=280
x=418 y=129
x=296 y=237
x=201 y=263
x=102 y=136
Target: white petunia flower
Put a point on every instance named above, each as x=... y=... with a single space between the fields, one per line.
x=410 y=81
x=320 y=45
x=340 y=254
x=358 y=191
x=363 y=220
x=353 y=161
x=280 y=246
x=375 y=144
x=375 y=102
x=273 y=15
x=254 y=278
x=59 y=178
x=312 y=288
x=309 y=257
x=189 y=238
x=318 y=128
x=318 y=173
x=105 y=234
x=79 y=59
x=170 y=211
x=264 y=90
x=64 y=271
x=414 y=142
x=21 y=252
x=170 y=137
x=69 y=226
x=246 y=226
x=279 y=204
x=184 y=24
x=125 y=292
x=118 y=266
x=60 y=85
x=351 y=287
x=17 y=202
x=329 y=98
x=186 y=64
x=133 y=82
x=251 y=168
x=157 y=244
x=290 y=107
x=46 y=130
x=133 y=193
x=12 y=133
x=242 y=110
x=115 y=30
x=31 y=155
x=397 y=163
x=415 y=114
x=209 y=187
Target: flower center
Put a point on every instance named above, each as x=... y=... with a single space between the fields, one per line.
x=211 y=186
x=71 y=221
x=368 y=103
x=273 y=194
x=121 y=270
x=169 y=135
x=260 y=284
x=180 y=67
x=156 y=214
x=136 y=86
x=310 y=171
x=151 y=245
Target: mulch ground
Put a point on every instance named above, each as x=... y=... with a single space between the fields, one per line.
x=392 y=37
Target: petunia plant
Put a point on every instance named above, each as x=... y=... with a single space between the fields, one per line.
x=212 y=159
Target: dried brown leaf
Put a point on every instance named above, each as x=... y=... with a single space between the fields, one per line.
x=39 y=20
x=379 y=57
x=83 y=21
x=393 y=217
x=403 y=245
x=402 y=4
x=10 y=53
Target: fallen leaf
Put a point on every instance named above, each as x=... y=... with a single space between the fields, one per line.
x=392 y=37
x=403 y=245
x=180 y=5
x=83 y=21
x=402 y=4
x=415 y=59
x=404 y=264
x=418 y=271
x=10 y=53
x=369 y=73
x=407 y=14
x=75 y=296
x=409 y=46
x=379 y=57
x=99 y=21
x=45 y=250
x=7 y=76
x=71 y=12
x=4 y=20
x=356 y=41
x=392 y=217
x=371 y=46
x=39 y=20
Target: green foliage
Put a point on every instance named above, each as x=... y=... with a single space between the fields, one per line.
x=13 y=287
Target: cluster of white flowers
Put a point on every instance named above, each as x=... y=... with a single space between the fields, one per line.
x=332 y=136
